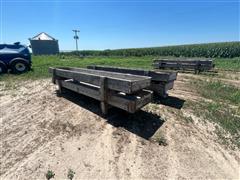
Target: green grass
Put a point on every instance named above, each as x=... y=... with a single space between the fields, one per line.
x=224 y=109
x=160 y=138
x=227 y=118
x=228 y=64
x=41 y=64
x=218 y=91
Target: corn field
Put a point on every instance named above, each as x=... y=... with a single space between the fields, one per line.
x=209 y=50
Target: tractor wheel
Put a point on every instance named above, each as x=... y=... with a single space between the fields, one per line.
x=19 y=66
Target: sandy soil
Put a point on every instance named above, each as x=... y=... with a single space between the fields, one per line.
x=41 y=131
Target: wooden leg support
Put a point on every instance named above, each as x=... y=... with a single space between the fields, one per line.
x=104 y=94
x=104 y=108
x=54 y=76
x=60 y=88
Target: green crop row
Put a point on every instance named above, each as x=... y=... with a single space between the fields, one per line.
x=209 y=50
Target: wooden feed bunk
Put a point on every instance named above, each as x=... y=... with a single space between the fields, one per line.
x=123 y=91
x=161 y=82
x=184 y=64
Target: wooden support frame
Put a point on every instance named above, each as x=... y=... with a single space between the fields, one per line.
x=195 y=65
x=161 y=82
x=116 y=81
x=128 y=102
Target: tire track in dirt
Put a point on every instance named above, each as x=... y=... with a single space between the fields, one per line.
x=18 y=131
x=126 y=154
x=173 y=161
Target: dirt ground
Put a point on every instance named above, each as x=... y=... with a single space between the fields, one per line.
x=42 y=131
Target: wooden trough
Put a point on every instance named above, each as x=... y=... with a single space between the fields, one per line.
x=115 y=89
x=161 y=82
x=184 y=64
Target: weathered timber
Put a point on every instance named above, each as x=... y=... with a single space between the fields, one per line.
x=206 y=61
x=156 y=76
x=129 y=103
x=103 y=94
x=161 y=88
x=116 y=81
x=196 y=65
x=161 y=82
x=98 y=87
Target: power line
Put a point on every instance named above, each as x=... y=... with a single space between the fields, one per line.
x=76 y=37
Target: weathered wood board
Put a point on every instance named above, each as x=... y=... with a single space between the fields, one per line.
x=98 y=87
x=196 y=65
x=156 y=76
x=116 y=81
x=161 y=82
x=129 y=103
x=194 y=61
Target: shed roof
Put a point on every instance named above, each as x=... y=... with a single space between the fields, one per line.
x=43 y=36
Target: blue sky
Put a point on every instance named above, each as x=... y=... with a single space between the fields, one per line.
x=121 y=24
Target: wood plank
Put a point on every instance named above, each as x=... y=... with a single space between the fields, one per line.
x=103 y=94
x=161 y=89
x=156 y=76
x=128 y=77
x=166 y=86
x=179 y=60
x=129 y=103
x=160 y=83
x=183 y=64
x=145 y=98
x=84 y=89
x=127 y=85
x=78 y=76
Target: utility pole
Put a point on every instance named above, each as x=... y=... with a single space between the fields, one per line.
x=76 y=37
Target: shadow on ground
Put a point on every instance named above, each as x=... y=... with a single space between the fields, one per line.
x=170 y=101
x=142 y=123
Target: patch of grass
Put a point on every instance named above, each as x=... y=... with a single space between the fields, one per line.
x=188 y=119
x=50 y=174
x=232 y=64
x=40 y=64
x=70 y=174
x=152 y=107
x=224 y=109
x=160 y=139
x=227 y=118
x=218 y=91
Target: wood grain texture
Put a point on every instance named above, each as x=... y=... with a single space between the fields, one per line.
x=156 y=76
x=129 y=103
x=116 y=81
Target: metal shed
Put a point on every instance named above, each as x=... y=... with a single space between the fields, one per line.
x=44 y=44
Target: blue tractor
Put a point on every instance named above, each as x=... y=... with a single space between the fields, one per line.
x=14 y=57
